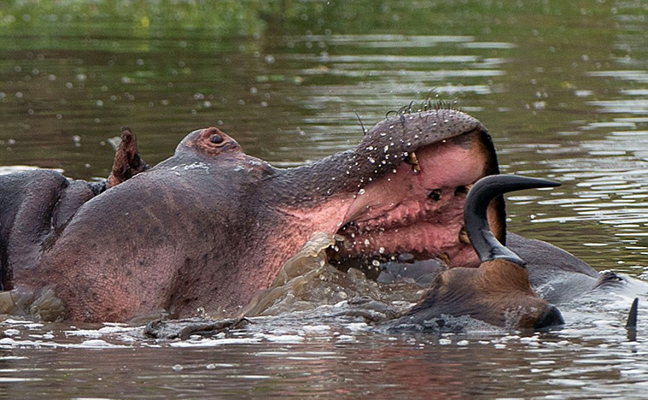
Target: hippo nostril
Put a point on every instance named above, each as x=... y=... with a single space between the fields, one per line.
x=216 y=138
x=435 y=195
x=550 y=317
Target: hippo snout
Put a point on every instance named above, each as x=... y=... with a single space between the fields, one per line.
x=550 y=317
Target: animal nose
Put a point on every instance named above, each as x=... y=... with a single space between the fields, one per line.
x=550 y=317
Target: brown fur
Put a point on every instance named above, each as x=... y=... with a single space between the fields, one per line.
x=498 y=292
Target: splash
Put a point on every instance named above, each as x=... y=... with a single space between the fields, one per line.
x=307 y=281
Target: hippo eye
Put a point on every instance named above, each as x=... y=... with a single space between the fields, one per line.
x=216 y=139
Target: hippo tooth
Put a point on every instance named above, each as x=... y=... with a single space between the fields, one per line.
x=413 y=161
x=463 y=236
x=445 y=257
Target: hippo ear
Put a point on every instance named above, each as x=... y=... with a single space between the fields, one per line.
x=127 y=160
x=475 y=213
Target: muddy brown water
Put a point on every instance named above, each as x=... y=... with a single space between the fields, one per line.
x=561 y=86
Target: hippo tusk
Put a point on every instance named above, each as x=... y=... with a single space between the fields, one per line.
x=475 y=213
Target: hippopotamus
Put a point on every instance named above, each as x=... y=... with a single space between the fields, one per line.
x=210 y=226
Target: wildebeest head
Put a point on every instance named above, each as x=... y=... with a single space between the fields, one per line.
x=498 y=292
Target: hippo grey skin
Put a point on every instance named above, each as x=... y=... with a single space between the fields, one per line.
x=211 y=226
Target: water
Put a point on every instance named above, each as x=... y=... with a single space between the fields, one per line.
x=561 y=86
x=321 y=358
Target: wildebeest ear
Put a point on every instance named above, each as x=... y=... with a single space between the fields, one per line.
x=481 y=194
x=128 y=162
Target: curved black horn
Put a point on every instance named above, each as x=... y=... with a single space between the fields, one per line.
x=475 y=213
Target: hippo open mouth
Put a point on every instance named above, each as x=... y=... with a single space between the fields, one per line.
x=414 y=211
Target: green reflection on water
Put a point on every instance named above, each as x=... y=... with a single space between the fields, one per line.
x=133 y=18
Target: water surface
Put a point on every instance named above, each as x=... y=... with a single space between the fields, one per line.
x=561 y=86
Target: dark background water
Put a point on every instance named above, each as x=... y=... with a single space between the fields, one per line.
x=561 y=86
